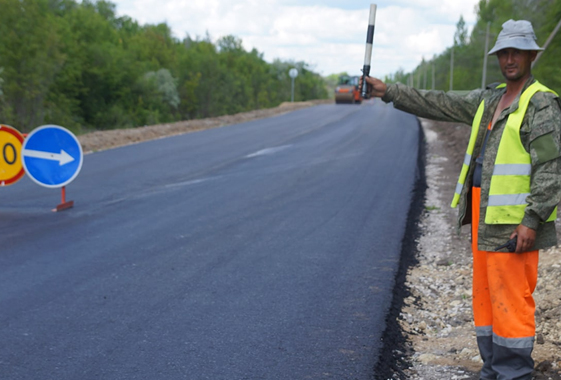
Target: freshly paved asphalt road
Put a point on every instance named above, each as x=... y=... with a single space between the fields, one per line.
x=264 y=250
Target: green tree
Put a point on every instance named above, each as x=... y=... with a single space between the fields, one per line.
x=1 y=81
x=546 y=68
x=469 y=52
x=230 y=44
x=31 y=57
x=79 y=65
x=157 y=97
x=461 y=35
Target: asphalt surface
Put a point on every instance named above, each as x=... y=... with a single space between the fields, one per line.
x=263 y=250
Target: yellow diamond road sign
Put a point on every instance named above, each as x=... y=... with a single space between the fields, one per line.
x=11 y=168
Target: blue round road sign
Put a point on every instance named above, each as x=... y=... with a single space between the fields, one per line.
x=52 y=156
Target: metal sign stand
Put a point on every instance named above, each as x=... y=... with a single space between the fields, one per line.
x=64 y=204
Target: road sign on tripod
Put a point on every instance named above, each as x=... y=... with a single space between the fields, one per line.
x=52 y=156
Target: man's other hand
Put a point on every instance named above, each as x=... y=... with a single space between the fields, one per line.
x=526 y=238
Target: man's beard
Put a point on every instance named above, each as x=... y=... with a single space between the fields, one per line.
x=518 y=74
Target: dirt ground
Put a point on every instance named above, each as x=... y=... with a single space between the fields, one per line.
x=436 y=320
x=101 y=140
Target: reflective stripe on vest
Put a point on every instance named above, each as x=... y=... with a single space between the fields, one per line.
x=510 y=182
x=469 y=152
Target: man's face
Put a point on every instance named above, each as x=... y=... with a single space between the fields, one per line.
x=515 y=64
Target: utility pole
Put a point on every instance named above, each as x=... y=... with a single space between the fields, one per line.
x=433 y=77
x=484 y=77
x=555 y=30
x=424 y=75
x=452 y=69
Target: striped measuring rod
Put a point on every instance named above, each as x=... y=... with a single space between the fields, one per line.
x=365 y=91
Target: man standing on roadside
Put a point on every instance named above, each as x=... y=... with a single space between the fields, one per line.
x=509 y=187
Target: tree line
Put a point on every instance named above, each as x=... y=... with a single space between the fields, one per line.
x=467 y=52
x=78 y=65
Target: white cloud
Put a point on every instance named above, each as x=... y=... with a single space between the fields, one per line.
x=444 y=8
x=330 y=38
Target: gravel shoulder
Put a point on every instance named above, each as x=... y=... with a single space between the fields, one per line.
x=435 y=319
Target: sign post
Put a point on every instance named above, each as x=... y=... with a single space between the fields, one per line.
x=52 y=157
x=11 y=169
x=293 y=73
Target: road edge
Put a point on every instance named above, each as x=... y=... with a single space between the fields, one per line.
x=396 y=348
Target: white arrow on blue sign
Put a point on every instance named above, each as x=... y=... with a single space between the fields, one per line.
x=52 y=156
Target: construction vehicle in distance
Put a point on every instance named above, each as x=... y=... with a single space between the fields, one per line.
x=347 y=90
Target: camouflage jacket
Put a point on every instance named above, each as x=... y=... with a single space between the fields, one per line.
x=540 y=134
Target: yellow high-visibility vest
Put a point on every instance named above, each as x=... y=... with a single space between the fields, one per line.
x=510 y=182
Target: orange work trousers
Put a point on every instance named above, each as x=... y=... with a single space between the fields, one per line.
x=503 y=307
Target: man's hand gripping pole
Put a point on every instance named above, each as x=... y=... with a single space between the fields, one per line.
x=366 y=88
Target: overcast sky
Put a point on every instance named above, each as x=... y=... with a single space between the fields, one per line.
x=329 y=35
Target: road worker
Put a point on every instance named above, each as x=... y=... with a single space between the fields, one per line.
x=509 y=187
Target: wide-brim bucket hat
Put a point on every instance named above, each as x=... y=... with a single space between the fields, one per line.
x=517 y=35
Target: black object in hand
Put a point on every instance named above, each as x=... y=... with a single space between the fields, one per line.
x=509 y=245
